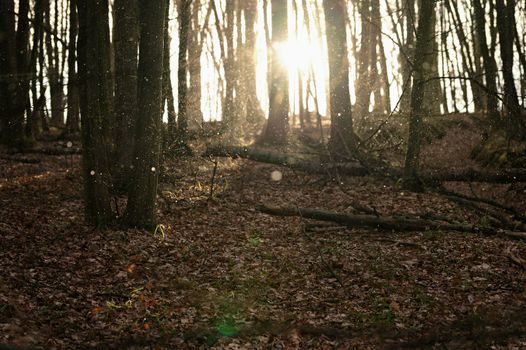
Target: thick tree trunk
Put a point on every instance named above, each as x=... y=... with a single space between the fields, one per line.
x=278 y=121
x=14 y=82
x=516 y=126
x=94 y=78
x=389 y=223
x=125 y=39
x=424 y=49
x=140 y=211
x=342 y=135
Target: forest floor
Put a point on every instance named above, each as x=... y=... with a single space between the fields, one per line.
x=218 y=273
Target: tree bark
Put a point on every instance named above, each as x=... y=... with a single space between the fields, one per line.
x=255 y=114
x=516 y=126
x=384 y=222
x=140 y=211
x=278 y=121
x=73 y=119
x=184 y=32
x=424 y=49
x=342 y=134
x=353 y=169
x=488 y=62
x=94 y=78
x=126 y=40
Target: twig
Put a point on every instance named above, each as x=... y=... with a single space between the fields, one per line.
x=212 y=181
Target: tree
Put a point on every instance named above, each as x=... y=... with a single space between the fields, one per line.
x=140 y=211
x=95 y=88
x=182 y=72
x=488 y=62
x=342 y=135
x=73 y=120
x=255 y=114
x=126 y=40
x=278 y=119
x=506 y=27
x=424 y=48
x=14 y=71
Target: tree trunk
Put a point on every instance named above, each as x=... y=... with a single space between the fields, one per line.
x=407 y=53
x=278 y=120
x=125 y=39
x=363 y=86
x=342 y=134
x=184 y=28
x=73 y=119
x=424 y=49
x=488 y=62
x=516 y=126
x=194 y=68
x=94 y=77
x=140 y=211
x=14 y=82
x=53 y=72
x=168 y=95
x=390 y=223
x=255 y=115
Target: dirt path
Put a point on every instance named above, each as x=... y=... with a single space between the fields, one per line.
x=220 y=274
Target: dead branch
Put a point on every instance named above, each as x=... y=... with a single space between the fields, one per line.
x=355 y=169
x=389 y=223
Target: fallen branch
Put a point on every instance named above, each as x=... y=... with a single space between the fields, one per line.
x=384 y=222
x=355 y=169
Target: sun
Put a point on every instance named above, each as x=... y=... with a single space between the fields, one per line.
x=298 y=55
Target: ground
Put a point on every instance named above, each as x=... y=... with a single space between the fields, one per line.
x=217 y=273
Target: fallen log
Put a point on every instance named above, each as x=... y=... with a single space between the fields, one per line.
x=384 y=222
x=290 y=161
x=355 y=169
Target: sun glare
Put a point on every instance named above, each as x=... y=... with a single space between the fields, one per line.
x=298 y=55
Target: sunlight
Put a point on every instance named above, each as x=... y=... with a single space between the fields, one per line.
x=298 y=55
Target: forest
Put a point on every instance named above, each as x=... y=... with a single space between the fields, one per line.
x=262 y=174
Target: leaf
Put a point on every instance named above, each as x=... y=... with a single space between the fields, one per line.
x=394 y=306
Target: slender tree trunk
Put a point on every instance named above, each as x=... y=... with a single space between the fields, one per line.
x=407 y=53
x=168 y=95
x=363 y=85
x=342 y=135
x=73 y=119
x=278 y=120
x=94 y=77
x=424 y=49
x=488 y=62
x=140 y=211
x=194 y=68
x=255 y=115
x=184 y=28
x=53 y=71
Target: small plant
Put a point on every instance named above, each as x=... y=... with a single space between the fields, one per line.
x=159 y=232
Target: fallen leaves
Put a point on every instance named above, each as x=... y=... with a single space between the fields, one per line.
x=247 y=280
